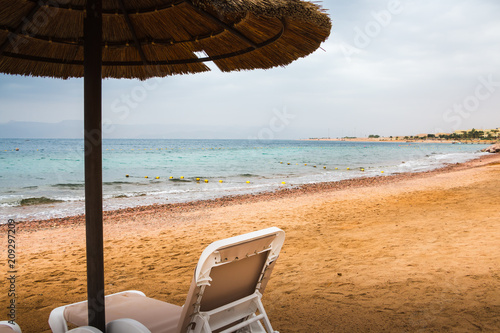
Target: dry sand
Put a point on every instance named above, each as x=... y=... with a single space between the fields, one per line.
x=411 y=253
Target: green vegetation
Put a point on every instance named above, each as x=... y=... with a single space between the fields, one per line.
x=471 y=135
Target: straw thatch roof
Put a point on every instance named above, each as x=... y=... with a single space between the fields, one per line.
x=146 y=38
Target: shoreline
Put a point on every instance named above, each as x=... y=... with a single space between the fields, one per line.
x=128 y=192
x=224 y=201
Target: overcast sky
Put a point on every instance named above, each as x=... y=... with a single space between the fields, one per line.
x=389 y=68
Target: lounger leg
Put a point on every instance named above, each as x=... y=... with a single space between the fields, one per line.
x=267 y=323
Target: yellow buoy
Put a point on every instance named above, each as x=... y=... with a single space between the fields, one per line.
x=220 y=181
x=305 y=163
x=157 y=177
x=206 y=180
x=336 y=168
x=182 y=177
x=170 y=177
x=127 y=176
x=197 y=179
x=381 y=172
x=324 y=167
x=362 y=169
x=348 y=168
x=288 y=163
x=248 y=182
x=281 y=162
x=283 y=183
x=146 y=177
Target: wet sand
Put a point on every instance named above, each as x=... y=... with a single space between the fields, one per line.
x=404 y=253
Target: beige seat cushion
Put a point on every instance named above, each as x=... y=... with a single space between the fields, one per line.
x=6 y=328
x=157 y=316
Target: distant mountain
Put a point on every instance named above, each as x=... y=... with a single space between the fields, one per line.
x=73 y=129
x=70 y=129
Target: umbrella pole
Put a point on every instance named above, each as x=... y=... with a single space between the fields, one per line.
x=93 y=162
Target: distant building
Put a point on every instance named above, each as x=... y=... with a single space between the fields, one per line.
x=494 y=133
x=477 y=133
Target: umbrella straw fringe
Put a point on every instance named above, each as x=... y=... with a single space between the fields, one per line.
x=162 y=39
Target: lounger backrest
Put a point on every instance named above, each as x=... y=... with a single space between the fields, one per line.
x=233 y=281
x=231 y=269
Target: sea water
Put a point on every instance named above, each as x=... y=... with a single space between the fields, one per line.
x=44 y=178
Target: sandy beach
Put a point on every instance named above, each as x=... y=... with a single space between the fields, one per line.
x=401 y=139
x=404 y=253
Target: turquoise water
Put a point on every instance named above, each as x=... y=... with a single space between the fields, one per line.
x=53 y=169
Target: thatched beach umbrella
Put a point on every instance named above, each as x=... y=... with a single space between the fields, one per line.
x=141 y=39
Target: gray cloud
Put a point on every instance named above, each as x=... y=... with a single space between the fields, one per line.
x=389 y=68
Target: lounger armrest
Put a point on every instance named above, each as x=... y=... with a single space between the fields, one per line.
x=126 y=325
x=57 y=322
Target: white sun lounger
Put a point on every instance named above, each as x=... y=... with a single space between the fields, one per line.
x=6 y=327
x=225 y=294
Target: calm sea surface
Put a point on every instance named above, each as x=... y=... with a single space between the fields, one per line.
x=44 y=178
